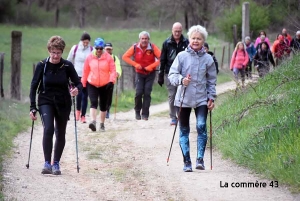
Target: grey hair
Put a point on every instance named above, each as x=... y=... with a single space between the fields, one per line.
x=247 y=38
x=144 y=33
x=198 y=28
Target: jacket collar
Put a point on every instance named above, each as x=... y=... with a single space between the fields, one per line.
x=200 y=53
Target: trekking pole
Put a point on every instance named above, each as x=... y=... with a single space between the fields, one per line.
x=210 y=139
x=75 y=134
x=116 y=98
x=27 y=165
x=188 y=76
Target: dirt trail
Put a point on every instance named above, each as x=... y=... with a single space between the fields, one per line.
x=128 y=162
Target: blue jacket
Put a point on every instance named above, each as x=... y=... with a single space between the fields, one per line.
x=250 y=50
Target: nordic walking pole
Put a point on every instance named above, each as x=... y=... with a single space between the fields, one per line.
x=27 y=165
x=188 y=76
x=75 y=134
x=210 y=139
x=116 y=98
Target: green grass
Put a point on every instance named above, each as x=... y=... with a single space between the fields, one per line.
x=259 y=128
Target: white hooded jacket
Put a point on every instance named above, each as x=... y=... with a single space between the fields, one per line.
x=79 y=57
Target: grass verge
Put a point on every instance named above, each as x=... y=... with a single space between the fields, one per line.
x=259 y=127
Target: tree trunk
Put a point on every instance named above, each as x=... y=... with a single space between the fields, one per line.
x=82 y=14
x=56 y=14
x=186 y=20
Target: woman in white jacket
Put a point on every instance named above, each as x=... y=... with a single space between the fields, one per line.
x=77 y=56
x=194 y=72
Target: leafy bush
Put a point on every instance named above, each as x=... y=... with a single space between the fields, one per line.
x=259 y=19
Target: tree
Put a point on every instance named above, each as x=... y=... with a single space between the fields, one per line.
x=259 y=19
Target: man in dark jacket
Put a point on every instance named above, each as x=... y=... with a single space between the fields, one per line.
x=170 y=48
x=295 y=44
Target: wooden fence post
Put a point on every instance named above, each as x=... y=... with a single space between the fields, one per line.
x=1 y=73
x=223 y=51
x=33 y=68
x=16 y=48
x=229 y=55
x=235 y=40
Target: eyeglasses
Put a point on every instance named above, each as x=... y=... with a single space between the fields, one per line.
x=99 y=48
x=56 y=53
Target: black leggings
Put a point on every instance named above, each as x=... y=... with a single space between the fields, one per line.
x=49 y=114
x=96 y=93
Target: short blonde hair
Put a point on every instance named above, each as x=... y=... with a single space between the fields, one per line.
x=56 y=42
x=198 y=28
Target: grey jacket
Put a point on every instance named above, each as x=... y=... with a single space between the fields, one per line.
x=201 y=67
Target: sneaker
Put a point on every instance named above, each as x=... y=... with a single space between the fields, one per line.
x=187 y=166
x=138 y=116
x=83 y=119
x=200 y=164
x=107 y=115
x=47 y=168
x=92 y=125
x=173 y=122
x=55 y=168
x=145 y=118
x=77 y=115
x=102 y=128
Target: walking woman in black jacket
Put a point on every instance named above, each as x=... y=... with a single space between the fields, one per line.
x=51 y=83
x=262 y=58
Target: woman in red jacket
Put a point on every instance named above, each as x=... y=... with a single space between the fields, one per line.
x=98 y=76
x=239 y=61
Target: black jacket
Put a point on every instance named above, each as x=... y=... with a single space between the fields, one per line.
x=295 y=44
x=215 y=60
x=51 y=82
x=262 y=58
x=169 y=51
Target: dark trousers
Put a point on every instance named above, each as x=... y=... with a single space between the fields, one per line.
x=98 y=95
x=109 y=98
x=54 y=122
x=82 y=101
x=248 y=70
x=143 y=89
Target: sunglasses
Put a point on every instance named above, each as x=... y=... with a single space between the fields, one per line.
x=99 y=48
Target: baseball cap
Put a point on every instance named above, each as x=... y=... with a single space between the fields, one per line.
x=99 y=42
x=108 y=46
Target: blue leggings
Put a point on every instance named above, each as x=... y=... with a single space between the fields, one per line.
x=184 y=131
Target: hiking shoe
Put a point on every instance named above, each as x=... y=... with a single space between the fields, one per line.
x=138 y=116
x=173 y=122
x=92 y=125
x=187 y=166
x=77 y=115
x=102 y=128
x=107 y=115
x=83 y=119
x=47 y=168
x=200 y=164
x=55 y=168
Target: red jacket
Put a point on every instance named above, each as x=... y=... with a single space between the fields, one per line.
x=148 y=58
x=239 y=59
x=281 y=49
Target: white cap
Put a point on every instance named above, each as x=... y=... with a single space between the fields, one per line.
x=298 y=32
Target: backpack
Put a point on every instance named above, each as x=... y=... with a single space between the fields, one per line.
x=75 y=50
